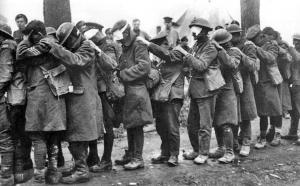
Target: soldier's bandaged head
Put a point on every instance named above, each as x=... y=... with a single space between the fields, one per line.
x=196 y=30
x=90 y=33
x=118 y=34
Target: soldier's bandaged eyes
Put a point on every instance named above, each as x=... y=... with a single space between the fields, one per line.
x=90 y=33
x=196 y=30
x=119 y=33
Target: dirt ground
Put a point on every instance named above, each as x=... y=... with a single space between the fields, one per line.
x=270 y=166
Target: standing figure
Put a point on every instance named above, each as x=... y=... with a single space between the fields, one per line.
x=84 y=108
x=21 y=21
x=202 y=106
x=137 y=112
x=45 y=112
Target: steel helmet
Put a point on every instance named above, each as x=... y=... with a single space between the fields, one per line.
x=50 y=30
x=233 y=28
x=5 y=30
x=64 y=31
x=221 y=36
x=296 y=36
x=200 y=22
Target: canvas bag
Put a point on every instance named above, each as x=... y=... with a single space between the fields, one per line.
x=162 y=91
x=58 y=80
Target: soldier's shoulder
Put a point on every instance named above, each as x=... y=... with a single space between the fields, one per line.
x=9 y=44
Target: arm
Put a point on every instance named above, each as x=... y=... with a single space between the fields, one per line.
x=167 y=55
x=204 y=60
x=82 y=57
x=106 y=62
x=230 y=59
x=295 y=54
x=250 y=60
x=142 y=66
x=268 y=53
x=6 y=64
x=26 y=50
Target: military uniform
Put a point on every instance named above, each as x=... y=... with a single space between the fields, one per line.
x=7 y=51
x=167 y=113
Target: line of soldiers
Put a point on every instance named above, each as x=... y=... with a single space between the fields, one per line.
x=74 y=84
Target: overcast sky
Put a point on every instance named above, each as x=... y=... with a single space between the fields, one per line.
x=283 y=15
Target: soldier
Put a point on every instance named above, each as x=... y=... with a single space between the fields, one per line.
x=136 y=28
x=172 y=34
x=295 y=89
x=267 y=90
x=106 y=64
x=45 y=112
x=7 y=52
x=21 y=21
x=247 y=103
x=167 y=111
x=137 y=112
x=79 y=56
x=226 y=115
x=202 y=106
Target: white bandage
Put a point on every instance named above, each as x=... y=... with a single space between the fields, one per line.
x=90 y=33
x=118 y=34
x=196 y=30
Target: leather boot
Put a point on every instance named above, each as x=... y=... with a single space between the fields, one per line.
x=81 y=171
x=134 y=164
x=52 y=175
x=270 y=134
x=217 y=153
x=125 y=159
x=6 y=174
x=277 y=138
x=173 y=161
x=161 y=159
x=228 y=157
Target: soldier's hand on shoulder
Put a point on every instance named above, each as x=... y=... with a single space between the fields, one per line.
x=143 y=40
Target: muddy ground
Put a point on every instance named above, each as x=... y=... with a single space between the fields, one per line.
x=270 y=166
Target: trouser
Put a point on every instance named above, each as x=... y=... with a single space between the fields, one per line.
x=135 y=138
x=93 y=157
x=275 y=121
x=167 y=126
x=244 y=136
x=21 y=139
x=6 y=144
x=45 y=143
x=200 y=120
x=79 y=151
x=295 y=112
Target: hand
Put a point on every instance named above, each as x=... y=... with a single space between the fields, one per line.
x=47 y=42
x=93 y=45
x=143 y=40
x=181 y=50
x=249 y=43
x=217 y=45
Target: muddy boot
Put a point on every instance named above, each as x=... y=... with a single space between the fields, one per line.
x=245 y=149
x=277 y=138
x=200 y=159
x=292 y=135
x=217 y=153
x=80 y=174
x=261 y=143
x=173 y=161
x=101 y=166
x=161 y=159
x=190 y=155
x=125 y=159
x=52 y=175
x=228 y=143
x=228 y=157
x=39 y=175
x=135 y=163
x=6 y=174
x=270 y=134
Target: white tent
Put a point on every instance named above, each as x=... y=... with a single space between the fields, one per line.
x=211 y=11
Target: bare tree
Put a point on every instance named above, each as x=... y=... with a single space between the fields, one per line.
x=250 y=13
x=56 y=12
